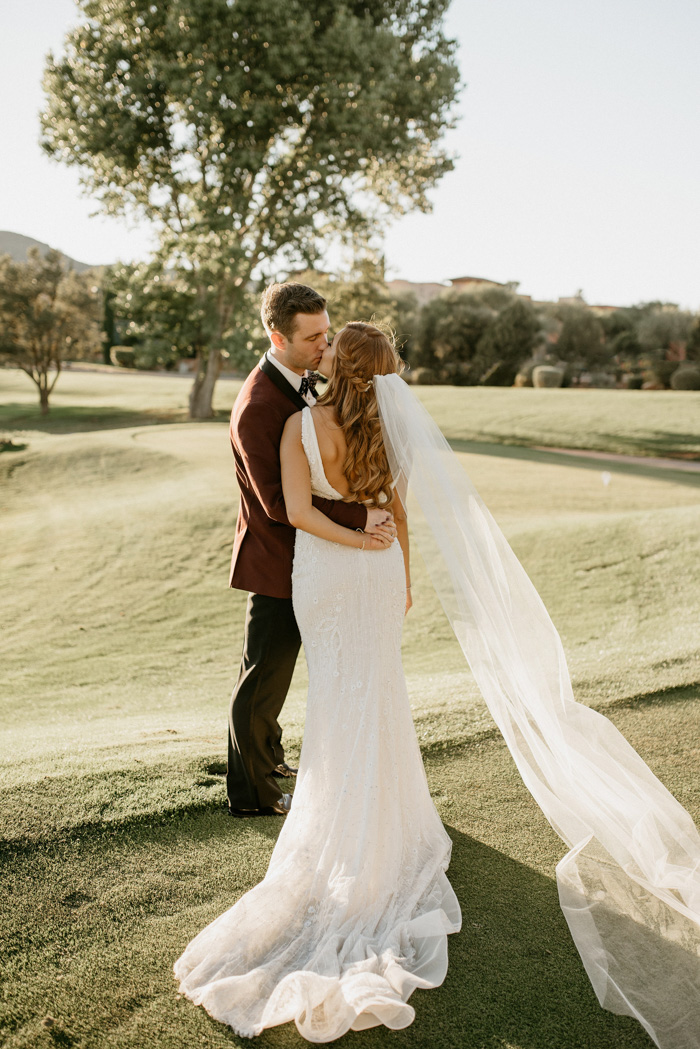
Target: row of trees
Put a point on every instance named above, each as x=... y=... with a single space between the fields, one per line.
x=49 y=314
x=494 y=337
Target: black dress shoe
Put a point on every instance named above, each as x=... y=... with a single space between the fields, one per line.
x=279 y=808
x=283 y=771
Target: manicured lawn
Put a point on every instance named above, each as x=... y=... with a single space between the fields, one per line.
x=119 y=647
x=631 y=422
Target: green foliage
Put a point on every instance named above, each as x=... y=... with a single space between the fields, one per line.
x=661 y=370
x=247 y=137
x=358 y=294
x=664 y=328
x=448 y=333
x=507 y=342
x=166 y=319
x=422 y=376
x=47 y=315
x=692 y=350
x=581 y=338
x=625 y=345
x=686 y=377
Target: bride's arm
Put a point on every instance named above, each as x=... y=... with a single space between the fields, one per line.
x=296 y=488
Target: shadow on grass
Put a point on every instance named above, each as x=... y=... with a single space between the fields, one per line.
x=514 y=977
x=8 y=445
x=71 y=419
x=83 y=419
x=674 y=694
x=658 y=442
x=579 y=461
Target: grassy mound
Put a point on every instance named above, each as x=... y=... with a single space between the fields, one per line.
x=119 y=647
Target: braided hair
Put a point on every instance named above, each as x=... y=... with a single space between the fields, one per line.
x=362 y=351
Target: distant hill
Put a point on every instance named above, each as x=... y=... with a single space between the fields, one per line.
x=16 y=245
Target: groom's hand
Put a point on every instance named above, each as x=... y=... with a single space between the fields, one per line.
x=381 y=523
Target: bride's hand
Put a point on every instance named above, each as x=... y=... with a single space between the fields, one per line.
x=380 y=541
x=409 y=601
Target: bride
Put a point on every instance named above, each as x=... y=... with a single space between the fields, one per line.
x=355 y=908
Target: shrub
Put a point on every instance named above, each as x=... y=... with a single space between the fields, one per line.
x=423 y=377
x=663 y=370
x=152 y=354
x=603 y=380
x=122 y=356
x=546 y=375
x=524 y=376
x=687 y=377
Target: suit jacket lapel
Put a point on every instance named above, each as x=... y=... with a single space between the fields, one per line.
x=281 y=383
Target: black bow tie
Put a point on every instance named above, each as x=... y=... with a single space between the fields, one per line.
x=308 y=384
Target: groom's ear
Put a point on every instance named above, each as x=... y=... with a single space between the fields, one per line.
x=277 y=339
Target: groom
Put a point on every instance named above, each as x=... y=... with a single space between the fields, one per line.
x=295 y=319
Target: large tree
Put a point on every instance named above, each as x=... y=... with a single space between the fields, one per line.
x=247 y=132
x=47 y=314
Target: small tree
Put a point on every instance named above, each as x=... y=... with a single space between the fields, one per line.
x=47 y=314
x=666 y=329
x=507 y=342
x=581 y=340
x=247 y=133
x=448 y=333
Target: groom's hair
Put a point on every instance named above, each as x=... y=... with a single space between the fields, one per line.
x=281 y=303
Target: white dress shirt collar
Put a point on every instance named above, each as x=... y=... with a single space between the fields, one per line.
x=292 y=378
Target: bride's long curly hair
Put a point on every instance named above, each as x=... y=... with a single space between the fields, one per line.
x=362 y=351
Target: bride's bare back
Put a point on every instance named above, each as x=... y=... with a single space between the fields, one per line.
x=332 y=446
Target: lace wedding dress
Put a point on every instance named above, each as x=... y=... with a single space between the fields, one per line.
x=355 y=908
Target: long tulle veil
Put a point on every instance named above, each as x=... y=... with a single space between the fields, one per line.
x=629 y=886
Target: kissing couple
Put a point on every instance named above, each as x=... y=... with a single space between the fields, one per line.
x=354 y=911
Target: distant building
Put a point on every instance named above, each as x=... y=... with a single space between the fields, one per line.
x=423 y=292
x=480 y=284
x=426 y=292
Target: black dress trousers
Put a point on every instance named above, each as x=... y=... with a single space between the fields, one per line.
x=270 y=649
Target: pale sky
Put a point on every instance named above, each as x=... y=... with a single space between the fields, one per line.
x=578 y=143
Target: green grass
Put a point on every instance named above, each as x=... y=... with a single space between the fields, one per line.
x=632 y=422
x=119 y=646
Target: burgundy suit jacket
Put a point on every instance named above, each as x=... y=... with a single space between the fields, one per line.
x=264 y=545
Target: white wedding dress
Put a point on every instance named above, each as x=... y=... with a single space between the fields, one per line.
x=354 y=911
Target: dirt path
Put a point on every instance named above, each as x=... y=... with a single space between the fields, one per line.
x=616 y=457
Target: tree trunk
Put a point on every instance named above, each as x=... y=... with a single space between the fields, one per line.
x=202 y=392
x=44 y=393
